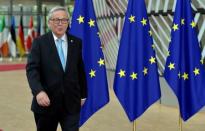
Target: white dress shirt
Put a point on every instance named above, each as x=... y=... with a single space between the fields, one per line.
x=64 y=44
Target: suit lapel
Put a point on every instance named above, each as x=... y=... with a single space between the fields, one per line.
x=54 y=51
x=69 y=52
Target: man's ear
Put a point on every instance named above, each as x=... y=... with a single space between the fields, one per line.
x=48 y=23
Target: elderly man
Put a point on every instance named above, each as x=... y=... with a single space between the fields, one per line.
x=56 y=76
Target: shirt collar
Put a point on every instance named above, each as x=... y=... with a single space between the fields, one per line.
x=62 y=38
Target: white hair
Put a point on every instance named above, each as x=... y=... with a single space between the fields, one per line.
x=57 y=8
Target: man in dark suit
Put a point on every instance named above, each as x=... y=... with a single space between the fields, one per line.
x=56 y=76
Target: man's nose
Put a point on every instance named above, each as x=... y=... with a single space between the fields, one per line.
x=60 y=22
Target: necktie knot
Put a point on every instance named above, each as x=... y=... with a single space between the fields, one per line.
x=59 y=41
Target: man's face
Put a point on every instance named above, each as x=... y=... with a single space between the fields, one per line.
x=58 y=23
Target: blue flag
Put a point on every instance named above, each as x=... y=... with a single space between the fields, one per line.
x=136 y=78
x=184 y=72
x=12 y=29
x=84 y=26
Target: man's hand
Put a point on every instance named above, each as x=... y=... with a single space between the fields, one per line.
x=42 y=99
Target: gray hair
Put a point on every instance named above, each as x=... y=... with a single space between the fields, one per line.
x=57 y=8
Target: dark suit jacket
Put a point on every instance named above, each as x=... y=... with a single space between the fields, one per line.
x=45 y=73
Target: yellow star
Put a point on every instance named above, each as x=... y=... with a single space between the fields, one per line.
x=80 y=19
x=185 y=76
x=150 y=33
x=193 y=24
x=179 y=75
x=132 y=19
x=91 y=23
x=101 y=62
x=92 y=73
x=182 y=21
x=144 y=21
x=152 y=60
x=122 y=73
x=145 y=71
x=175 y=27
x=171 y=66
x=202 y=61
x=196 y=71
x=133 y=76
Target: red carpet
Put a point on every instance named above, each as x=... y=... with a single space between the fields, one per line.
x=10 y=67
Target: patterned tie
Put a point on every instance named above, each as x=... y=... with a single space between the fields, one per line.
x=59 y=43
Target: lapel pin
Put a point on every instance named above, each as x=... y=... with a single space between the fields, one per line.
x=71 y=41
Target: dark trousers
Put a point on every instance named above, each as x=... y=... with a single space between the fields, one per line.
x=50 y=123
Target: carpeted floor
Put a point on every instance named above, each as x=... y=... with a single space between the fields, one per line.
x=9 y=67
x=8 y=64
x=15 y=114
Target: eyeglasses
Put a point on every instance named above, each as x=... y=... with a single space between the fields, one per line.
x=57 y=21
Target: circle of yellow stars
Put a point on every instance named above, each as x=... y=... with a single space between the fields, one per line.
x=91 y=23
x=152 y=60
x=185 y=75
x=92 y=72
x=171 y=65
x=175 y=26
x=81 y=20
x=133 y=75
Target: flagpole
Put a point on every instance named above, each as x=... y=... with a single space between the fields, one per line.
x=1 y=58
x=134 y=125
x=20 y=58
x=10 y=59
x=180 y=122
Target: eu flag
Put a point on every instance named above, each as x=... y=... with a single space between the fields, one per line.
x=136 y=78
x=184 y=72
x=84 y=26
